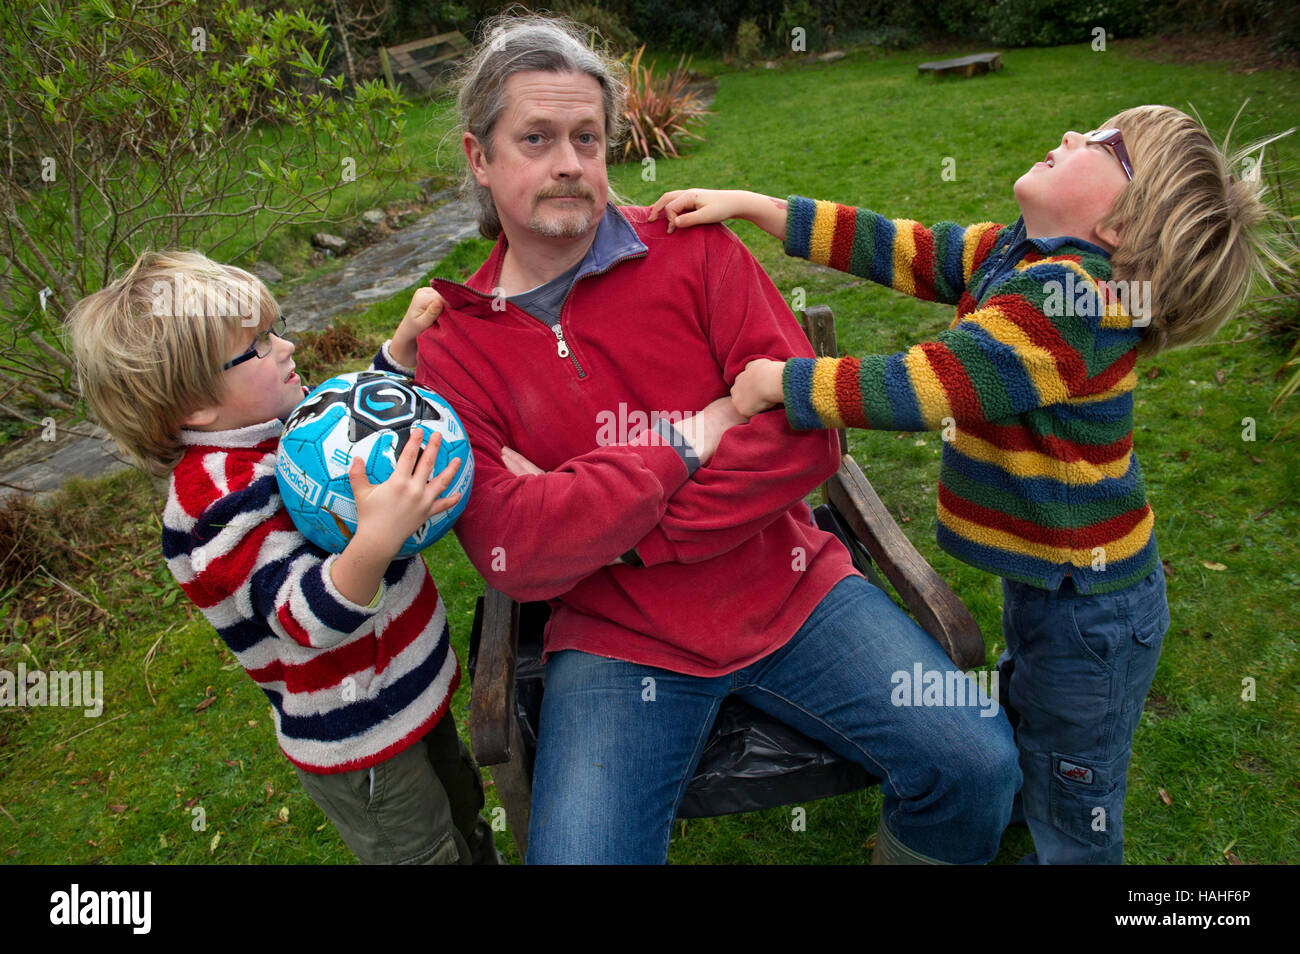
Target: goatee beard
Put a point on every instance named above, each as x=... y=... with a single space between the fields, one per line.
x=568 y=227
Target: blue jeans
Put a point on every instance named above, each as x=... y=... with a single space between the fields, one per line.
x=1074 y=675
x=620 y=741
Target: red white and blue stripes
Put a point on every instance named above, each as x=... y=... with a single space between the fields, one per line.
x=349 y=685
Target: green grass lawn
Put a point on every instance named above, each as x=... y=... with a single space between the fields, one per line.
x=1214 y=776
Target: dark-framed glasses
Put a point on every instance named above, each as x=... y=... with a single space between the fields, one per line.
x=1113 y=139
x=261 y=345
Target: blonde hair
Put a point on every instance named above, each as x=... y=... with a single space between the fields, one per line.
x=149 y=348
x=1192 y=223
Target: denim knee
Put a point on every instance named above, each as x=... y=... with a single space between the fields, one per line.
x=987 y=779
x=976 y=778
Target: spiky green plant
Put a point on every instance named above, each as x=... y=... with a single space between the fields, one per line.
x=660 y=109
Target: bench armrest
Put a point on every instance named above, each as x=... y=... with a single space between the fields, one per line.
x=928 y=598
x=492 y=702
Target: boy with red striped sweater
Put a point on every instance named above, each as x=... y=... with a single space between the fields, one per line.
x=1133 y=239
x=184 y=362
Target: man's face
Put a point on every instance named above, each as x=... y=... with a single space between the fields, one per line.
x=547 y=171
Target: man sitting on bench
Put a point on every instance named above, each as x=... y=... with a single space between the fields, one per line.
x=680 y=559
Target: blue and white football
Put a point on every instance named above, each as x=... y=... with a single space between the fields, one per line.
x=368 y=414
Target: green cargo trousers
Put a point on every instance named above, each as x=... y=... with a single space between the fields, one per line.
x=421 y=807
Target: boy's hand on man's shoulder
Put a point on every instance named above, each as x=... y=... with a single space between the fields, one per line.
x=686 y=207
x=426 y=305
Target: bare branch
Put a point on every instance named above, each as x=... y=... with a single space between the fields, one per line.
x=38 y=393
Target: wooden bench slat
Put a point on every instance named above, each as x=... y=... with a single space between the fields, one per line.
x=454 y=37
x=420 y=60
x=965 y=65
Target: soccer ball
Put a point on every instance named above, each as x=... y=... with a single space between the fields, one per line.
x=367 y=414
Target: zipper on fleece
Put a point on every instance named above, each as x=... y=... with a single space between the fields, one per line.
x=562 y=346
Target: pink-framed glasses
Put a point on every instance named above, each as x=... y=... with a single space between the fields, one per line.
x=1114 y=140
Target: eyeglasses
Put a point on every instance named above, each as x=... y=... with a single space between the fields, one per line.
x=261 y=345
x=1114 y=140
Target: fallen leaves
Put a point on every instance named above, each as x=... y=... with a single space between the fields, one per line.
x=1164 y=797
x=1217 y=567
x=208 y=699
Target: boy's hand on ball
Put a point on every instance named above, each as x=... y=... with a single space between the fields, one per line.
x=389 y=512
x=759 y=386
x=426 y=305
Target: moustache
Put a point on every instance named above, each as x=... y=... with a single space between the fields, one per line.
x=572 y=193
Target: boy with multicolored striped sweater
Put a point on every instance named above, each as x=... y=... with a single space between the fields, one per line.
x=184 y=362
x=1131 y=240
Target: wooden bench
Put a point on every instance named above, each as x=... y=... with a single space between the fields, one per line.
x=974 y=65
x=506 y=670
x=422 y=62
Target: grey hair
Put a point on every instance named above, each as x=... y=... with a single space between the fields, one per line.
x=521 y=44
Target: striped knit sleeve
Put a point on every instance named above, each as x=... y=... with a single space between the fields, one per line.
x=1014 y=354
x=240 y=555
x=933 y=264
x=384 y=361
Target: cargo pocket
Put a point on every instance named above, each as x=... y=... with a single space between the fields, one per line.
x=1148 y=632
x=1097 y=629
x=1086 y=797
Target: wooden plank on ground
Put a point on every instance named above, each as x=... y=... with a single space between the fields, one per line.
x=455 y=37
x=412 y=69
x=973 y=65
x=420 y=60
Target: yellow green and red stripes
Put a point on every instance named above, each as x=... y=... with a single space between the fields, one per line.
x=1038 y=476
x=934 y=264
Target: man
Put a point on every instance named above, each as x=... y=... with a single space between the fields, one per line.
x=679 y=558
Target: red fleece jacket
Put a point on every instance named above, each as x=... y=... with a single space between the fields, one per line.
x=733 y=563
